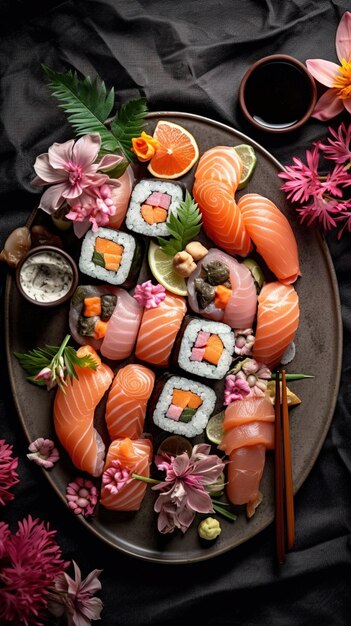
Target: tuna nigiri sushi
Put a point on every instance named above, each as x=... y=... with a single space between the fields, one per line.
x=134 y=457
x=277 y=322
x=216 y=180
x=74 y=418
x=127 y=401
x=272 y=235
x=222 y=289
x=158 y=330
x=245 y=469
x=123 y=327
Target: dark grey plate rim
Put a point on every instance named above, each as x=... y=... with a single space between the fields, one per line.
x=337 y=374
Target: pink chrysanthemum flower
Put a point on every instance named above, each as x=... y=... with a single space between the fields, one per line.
x=31 y=560
x=183 y=492
x=8 y=472
x=339 y=148
x=82 y=496
x=302 y=180
x=115 y=477
x=43 y=452
x=78 y=596
x=236 y=388
x=149 y=295
x=321 y=210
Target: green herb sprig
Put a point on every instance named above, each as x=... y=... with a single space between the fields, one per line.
x=183 y=227
x=88 y=105
x=53 y=363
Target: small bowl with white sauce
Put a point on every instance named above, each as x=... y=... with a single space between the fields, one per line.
x=47 y=276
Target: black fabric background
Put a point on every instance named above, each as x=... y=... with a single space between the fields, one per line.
x=183 y=56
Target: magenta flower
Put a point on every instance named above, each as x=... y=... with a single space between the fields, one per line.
x=30 y=562
x=183 y=493
x=149 y=295
x=69 y=169
x=8 y=472
x=80 y=603
x=303 y=180
x=236 y=388
x=43 y=452
x=339 y=148
x=244 y=341
x=82 y=496
x=115 y=477
x=321 y=210
x=336 y=77
x=345 y=216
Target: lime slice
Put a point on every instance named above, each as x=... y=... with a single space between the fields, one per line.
x=214 y=428
x=248 y=158
x=256 y=272
x=161 y=266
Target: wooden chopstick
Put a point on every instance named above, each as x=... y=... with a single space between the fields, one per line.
x=278 y=477
x=289 y=494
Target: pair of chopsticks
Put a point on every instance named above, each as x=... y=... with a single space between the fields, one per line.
x=284 y=496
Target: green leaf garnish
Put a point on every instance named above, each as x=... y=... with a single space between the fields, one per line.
x=183 y=227
x=294 y=376
x=88 y=104
x=60 y=360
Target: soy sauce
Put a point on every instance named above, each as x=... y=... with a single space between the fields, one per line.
x=277 y=94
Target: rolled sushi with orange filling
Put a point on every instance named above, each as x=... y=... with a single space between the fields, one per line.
x=151 y=204
x=183 y=406
x=111 y=256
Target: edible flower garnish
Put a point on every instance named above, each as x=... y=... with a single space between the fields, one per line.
x=144 y=146
x=255 y=376
x=336 y=77
x=82 y=496
x=183 y=493
x=184 y=227
x=8 y=472
x=49 y=366
x=94 y=206
x=244 y=341
x=115 y=477
x=43 y=452
x=319 y=196
x=76 y=596
x=149 y=295
x=236 y=388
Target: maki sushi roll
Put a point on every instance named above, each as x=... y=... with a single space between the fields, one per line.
x=183 y=406
x=111 y=256
x=204 y=348
x=151 y=203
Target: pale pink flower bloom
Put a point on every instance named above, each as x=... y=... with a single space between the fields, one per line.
x=81 y=605
x=82 y=496
x=31 y=562
x=256 y=375
x=183 y=492
x=336 y=77
x=45 y=374
x=94 y=206
x=244 y=341
x=236 y=388
x=115 y=477
x=69 y=168
x=339 y=148
x=43 y=452
x=149 y=295
x=8 y=472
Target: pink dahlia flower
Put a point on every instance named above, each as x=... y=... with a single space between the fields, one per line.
x=69 y=169
x=30 y=561
x=8 y=472
x=183 y=493
x=336 y=77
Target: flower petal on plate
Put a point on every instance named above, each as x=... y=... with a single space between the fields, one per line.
x=109 y=161
x=60 y=154
x=86 y=150
x=328 y=106
x=343 y=38
x=45 y=171
x=52 y=199
x=323 y=71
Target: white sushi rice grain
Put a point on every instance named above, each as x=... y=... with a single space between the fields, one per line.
x=142 y=190
x=199 y=420
x=203 y=368
x=87 y=265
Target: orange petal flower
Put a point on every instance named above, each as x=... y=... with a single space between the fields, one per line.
x=144 y=146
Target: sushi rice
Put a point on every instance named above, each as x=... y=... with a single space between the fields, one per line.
x=141 y=192
x=87 y=265
x=199 y=420
x=202 y=368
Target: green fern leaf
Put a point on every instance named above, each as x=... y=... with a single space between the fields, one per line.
x=128 y=124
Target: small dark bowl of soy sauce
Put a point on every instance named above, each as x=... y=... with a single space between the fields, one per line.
x=277 y=94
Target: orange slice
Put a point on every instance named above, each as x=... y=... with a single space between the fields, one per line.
x=177 y=151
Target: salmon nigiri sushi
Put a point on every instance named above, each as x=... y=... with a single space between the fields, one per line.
x=74 y=418
x=277 y=322
x=249 y=409
x=272 y=235
x=129 y=457
x=216 y=180
x=127 y=401
x=158 y=330
x=245 y=469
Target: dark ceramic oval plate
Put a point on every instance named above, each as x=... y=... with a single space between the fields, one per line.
x=319 y=348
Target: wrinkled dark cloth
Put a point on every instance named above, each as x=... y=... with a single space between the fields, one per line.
x=183 y=56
